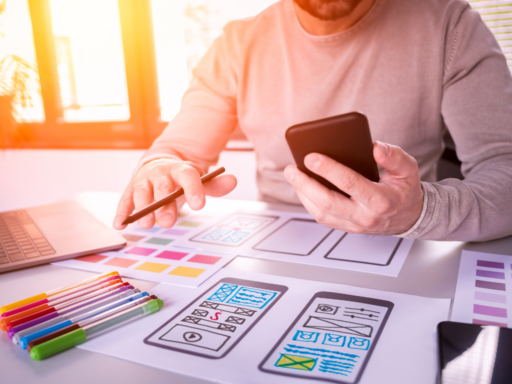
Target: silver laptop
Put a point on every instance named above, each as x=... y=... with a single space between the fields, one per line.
x=51 y=233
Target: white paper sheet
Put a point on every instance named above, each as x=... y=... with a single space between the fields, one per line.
x=150 y=254
x=404 y=352
x=298 y=238
x=484 y=290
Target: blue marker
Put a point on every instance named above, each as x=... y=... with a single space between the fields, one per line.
x=109 y=308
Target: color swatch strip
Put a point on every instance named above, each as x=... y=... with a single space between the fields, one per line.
x=490 y=264
x=485 y=322
x=490 y=311
x=490 y=297
x=490 y=274
x=490 y=285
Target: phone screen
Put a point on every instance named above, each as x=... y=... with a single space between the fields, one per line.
x=218 y=319
x=331 y=340
x=473 y=353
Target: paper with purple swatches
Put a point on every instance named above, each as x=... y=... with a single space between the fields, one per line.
x=484 y=290
x=150 y=255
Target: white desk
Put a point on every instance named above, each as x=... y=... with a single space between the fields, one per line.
x=36 y=177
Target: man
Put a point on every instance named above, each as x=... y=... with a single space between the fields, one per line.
x=415 y=68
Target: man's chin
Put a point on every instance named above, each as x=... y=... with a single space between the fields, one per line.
x=328 y=10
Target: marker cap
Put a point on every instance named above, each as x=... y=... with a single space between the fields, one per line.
x=58 y=344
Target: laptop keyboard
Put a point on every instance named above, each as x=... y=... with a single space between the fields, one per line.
x=20 y=239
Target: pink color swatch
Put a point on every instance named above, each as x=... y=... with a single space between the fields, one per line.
x=174 y=232
x=141 y=251
x=119 y=262
x=202 y=259
x=92 y=258
x=171 y=255
x=490 y=311
x=493 y=298
x=485 y=322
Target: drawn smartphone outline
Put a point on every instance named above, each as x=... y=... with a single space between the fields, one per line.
x=197 y=238
x=204 y=296
x=335 y=296
x=255 y=246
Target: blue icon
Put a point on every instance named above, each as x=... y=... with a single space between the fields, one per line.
x=307 y=337
x=359 y=343
x=334 y=340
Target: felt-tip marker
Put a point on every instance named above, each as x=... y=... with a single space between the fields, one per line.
x=103 y=311
x=85 y=332
x=15 y=323
x=71 y=302
x=46 y=295
x=66 y=313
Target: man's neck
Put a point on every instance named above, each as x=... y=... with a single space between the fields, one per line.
x=318 y=27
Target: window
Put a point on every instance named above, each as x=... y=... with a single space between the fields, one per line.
x=497 y=15
x=112 y=73
x=183 y=31
x=20 y=91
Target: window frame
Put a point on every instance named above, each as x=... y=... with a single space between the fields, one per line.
x=144 y=124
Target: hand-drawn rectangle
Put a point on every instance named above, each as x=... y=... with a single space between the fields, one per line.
x=366 y=249
x=251 y=297
x=223 y=292
x=228 y=308
x=340 y=326
x=197 y=337
x=285 y=240
x=200 y=312
x=235 y=229
x=235 y=320
x=209 y=324
x=327 y=309
x=296 y=362
x=190 y=341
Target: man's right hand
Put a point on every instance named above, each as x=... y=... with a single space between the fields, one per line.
x=158 y=178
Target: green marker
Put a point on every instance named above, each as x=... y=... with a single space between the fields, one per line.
x=83 y=334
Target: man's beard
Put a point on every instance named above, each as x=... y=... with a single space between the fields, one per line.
x=328 y=10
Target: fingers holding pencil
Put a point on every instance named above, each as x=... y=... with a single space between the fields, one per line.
x=160 y=178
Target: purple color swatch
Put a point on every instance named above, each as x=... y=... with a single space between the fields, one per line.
x=171 y=255
x=174 y=232
x=150 y=230
x=485 y=322
x=141 y=251
x=491 y=297
x=491 y=274
x=490 y=264
x=490 y=311
x=490 y=285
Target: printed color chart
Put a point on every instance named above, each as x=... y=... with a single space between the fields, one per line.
x=484 y=290
x=150 y=255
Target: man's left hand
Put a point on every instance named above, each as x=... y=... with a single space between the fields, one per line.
x=388 y=207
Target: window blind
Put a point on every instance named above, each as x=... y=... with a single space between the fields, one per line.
x=498 y=17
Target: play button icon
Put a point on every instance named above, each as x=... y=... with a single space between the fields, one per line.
x=192 y=337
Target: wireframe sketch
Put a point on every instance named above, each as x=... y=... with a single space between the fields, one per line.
x=367 y=249
x=295 y=237
x=329 y=348
x=235 y=230
x=217 y=320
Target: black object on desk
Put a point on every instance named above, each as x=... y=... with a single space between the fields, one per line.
x=344 y=138
x=474 y=354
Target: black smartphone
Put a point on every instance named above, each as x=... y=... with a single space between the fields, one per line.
x=331 y=340
x=345 y=138
x=216 y=321
x=473 y=353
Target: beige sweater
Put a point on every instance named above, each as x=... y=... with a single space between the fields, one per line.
x=414 y=67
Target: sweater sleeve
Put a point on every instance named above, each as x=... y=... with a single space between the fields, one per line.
x=207 y=116
x=477 y=110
